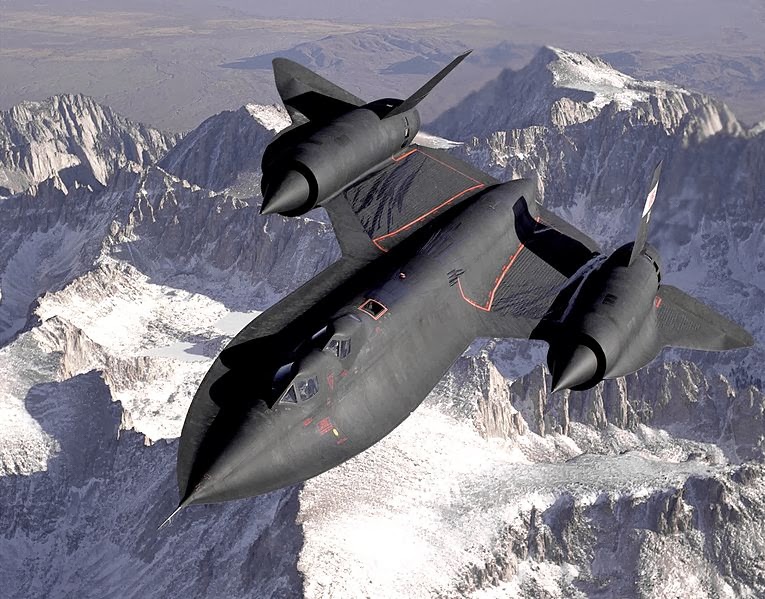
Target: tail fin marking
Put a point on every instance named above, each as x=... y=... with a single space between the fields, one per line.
x=642 y=233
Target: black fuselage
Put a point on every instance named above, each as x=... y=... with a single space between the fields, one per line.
x=302 y=399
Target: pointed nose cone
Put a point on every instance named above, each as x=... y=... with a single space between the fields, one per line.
x=245 y=452
x=573 y=368
x=183 y=503
x=201 y=491
x=285 y=195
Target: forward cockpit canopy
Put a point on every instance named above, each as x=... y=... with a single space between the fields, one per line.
x=303 y=389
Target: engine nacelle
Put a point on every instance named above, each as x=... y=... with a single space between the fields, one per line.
x=323 y=161
x=610 y=327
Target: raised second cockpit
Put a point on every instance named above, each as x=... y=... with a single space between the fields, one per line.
x=328 y=352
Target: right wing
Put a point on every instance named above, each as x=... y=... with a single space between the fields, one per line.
x=686 y=322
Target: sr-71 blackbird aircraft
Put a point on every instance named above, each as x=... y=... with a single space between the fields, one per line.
x=434 y=254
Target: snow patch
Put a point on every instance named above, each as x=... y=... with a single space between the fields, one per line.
x=433 y=495
x=271 y=116
x=587 y=73
x=428 y=140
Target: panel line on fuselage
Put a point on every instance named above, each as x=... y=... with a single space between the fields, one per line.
x=486 y=307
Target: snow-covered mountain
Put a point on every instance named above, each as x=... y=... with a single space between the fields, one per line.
x=119 y=285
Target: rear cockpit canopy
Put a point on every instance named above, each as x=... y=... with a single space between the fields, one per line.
x=341 y=344
x=339 y=347
x=330 y=349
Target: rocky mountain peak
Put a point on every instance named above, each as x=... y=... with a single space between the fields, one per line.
x=117 y=292
x=559 y=88
x=75 y=138
x=224 y=152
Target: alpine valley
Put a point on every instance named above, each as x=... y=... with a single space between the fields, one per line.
x=129 y=256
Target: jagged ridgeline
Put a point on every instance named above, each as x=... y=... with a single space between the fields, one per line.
x=129 y=256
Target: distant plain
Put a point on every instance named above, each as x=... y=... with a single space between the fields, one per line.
x=173 y=64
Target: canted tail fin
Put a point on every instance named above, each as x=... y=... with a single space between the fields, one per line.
x=685 y=322
x=642 y=232
x=420 y=94
x=308 y=96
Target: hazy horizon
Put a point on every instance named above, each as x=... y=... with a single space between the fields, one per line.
x=167 y=63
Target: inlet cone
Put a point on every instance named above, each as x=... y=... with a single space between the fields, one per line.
x=573 y=368
x=286 y=195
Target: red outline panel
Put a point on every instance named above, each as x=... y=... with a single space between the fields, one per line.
x=487 y=306
x=380 y=315
x=498 y=281
x=410 y=224
x=449 y=166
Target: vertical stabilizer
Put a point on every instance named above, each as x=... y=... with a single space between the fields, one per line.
x=308 y=96
x=420 y=94
x=642 y=232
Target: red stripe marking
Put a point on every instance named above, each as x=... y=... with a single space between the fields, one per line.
x=657 y=302
x=422 y=217
x=400 y=158
x=487 y=306
x=497 y=282
x=409 y=225
x=449 y=166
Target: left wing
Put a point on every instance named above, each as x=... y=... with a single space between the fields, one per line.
x=685 y=322
x=415 y=187
x=535 y=277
